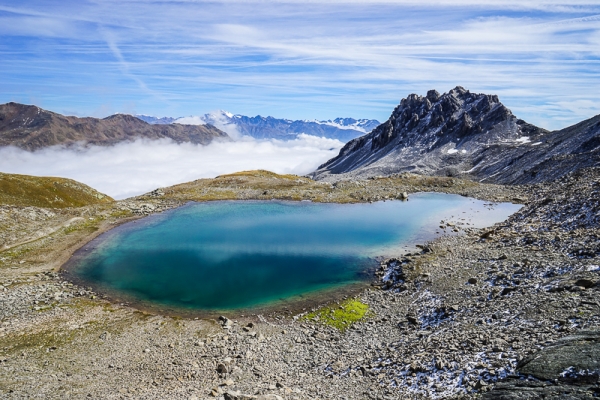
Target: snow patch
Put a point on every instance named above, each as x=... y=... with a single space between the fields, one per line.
x=523 y=139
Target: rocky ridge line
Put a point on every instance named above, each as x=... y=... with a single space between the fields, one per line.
x=32 y=128
x=465 y=134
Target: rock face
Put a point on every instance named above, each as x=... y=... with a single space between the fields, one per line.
x=32 y=128
x=567 y=369
x=343 y=129
x=465 y=134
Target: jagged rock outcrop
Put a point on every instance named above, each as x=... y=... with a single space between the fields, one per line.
x=567 y=369
x=32 y=128
x=465 y=134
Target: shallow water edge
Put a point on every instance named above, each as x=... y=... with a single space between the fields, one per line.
x=291 y=304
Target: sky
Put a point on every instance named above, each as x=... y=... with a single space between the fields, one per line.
x=299 y=59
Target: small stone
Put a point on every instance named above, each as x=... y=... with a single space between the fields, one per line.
x=232 y=395
x=480 y=384
x=585 y=283
x=472 y=281
x=222 y=368
x=507 y=290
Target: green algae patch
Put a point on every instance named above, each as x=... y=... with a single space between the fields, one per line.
x=340 y=316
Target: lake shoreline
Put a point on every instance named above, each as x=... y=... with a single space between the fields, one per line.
x=454 y=336
x=476 y=213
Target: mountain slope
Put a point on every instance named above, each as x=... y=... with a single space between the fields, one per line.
x=31 y=128
x=343 y=129
x=49 y=192
x=465 y=134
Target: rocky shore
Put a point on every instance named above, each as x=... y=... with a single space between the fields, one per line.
x=507 y=312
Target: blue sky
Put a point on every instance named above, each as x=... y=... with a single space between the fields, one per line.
x=299 y=59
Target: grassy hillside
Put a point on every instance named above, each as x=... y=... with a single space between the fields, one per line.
x=25 y=190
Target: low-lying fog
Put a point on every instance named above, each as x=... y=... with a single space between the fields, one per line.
x=133 y=168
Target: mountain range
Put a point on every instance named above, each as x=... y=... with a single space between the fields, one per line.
x=458 y=134
x=469 y=135
x=343 y=129
x=31 y=128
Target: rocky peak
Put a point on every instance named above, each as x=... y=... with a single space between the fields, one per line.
x=433 y=95
x=436 y=119
x=473 y=135
x=124 y=118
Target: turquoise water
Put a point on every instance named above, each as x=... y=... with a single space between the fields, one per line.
x=233 y=255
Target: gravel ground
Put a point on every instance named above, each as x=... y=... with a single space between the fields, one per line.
x=460 y=318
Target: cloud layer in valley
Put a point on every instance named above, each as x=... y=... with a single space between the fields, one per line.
x=300 y=59
x=133 y=168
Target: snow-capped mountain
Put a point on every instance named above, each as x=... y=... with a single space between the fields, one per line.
x=465 y=134
x=156 y=121
x=343 y=129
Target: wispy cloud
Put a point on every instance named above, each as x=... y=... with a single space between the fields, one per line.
x=301 y=59
x=133 y=168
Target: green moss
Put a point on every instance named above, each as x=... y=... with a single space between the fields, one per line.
x=340 y=316
x=121 y=213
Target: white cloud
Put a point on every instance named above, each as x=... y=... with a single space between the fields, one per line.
x=215 y=118
x=133 y=168
x=191 y=120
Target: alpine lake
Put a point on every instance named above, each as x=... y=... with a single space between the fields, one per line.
x=248 y=256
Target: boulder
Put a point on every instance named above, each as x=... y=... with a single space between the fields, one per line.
x=567 y=369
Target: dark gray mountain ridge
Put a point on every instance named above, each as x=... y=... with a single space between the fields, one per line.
x=465 y=134
x=343 y=129
x=31 y=128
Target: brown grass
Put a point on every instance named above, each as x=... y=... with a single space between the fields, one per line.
x=25 y=190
